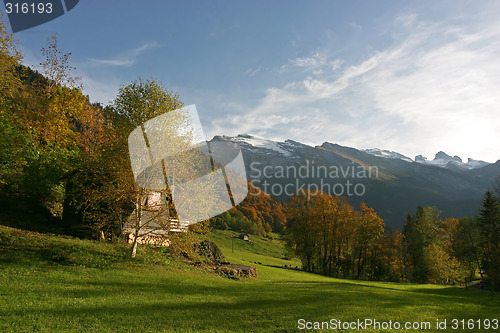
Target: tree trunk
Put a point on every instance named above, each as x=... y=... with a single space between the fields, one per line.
x=134 y=248
x=138 y=217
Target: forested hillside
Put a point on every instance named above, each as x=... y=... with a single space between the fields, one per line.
x=48 y=128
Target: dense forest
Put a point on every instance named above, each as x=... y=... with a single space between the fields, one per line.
x=66 y=160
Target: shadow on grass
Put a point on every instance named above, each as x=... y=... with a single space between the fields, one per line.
x=196 y=304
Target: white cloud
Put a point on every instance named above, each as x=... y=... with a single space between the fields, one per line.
x=435 y=88
x=446 y=91
x=406 y=20
x=127 y=58
x=252 y=71
x=102 y=91
x=336 y=64
x=317 y=63
x=356 y=26
x=313 y=61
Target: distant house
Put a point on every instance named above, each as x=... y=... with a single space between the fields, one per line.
x=153 y=201
x=245 y=237
x=156 y=222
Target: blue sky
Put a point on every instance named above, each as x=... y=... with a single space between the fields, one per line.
x=414 y=77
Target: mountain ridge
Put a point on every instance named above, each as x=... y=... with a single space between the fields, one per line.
x=396 y=189
x=441 y=158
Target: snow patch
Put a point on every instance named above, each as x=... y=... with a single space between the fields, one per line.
x=387 y=154
x=260 y=142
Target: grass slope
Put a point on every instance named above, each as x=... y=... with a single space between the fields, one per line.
x=58 y=284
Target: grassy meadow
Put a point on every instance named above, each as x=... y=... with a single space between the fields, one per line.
x=52 y=283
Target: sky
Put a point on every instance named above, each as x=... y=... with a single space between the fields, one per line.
x=416 y=77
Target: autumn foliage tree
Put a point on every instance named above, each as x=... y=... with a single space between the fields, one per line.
x=13 y=140
x=40 y=118
x=370 y=228
x=333 y=239
x=49 y=131
x=258 y=213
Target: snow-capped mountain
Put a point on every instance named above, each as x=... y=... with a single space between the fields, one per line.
x=286 y=149
x=441 y=159
x=398 y=187
x=446 y=161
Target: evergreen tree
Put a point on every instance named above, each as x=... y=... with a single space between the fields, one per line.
x=489 y=226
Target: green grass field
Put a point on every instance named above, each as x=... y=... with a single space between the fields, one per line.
x=60 y=284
